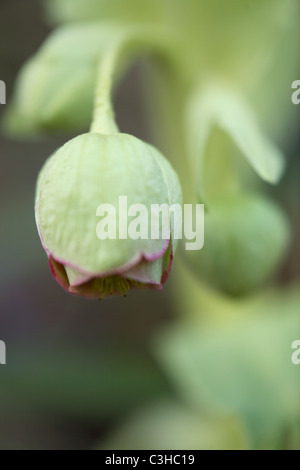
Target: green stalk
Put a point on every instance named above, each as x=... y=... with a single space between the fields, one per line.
x=193 y=297
x=128 y=46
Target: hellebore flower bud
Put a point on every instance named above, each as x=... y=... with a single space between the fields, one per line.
x=246 y=238
x=88 y=171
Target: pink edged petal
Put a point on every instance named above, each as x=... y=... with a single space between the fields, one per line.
x=155 y=256
x=153 y=272
x=76 y=277
x=148 y=272
x=58 y=271
x=93 y=289
x=168 y=269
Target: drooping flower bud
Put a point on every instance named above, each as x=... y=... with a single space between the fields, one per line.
x=95 y=169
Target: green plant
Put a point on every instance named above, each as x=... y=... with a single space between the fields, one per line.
x=218 y=120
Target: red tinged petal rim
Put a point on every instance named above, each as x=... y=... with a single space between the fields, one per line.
x=90 y=290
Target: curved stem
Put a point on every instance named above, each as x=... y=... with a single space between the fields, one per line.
x=130 y=43
x=104 y=118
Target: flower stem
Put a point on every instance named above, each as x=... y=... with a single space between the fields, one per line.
x=130 y=43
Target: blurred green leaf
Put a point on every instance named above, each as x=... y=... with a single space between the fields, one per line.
x=171 y=426
x=217 y=108
x=55 y=89
x=244 y=367
x=60 y=11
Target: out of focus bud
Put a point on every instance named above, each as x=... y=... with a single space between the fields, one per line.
x=55 y=89
x=246 y=238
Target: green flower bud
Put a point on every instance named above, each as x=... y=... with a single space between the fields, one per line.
x=91 y=170
x=246 y=238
